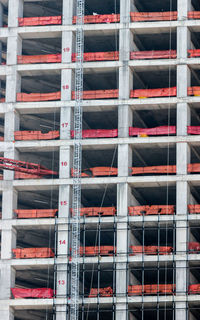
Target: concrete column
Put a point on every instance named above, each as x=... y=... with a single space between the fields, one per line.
x=65 y=162
x=7 y=282
x=125 y=73
x=66 y=122
x=8 y=241
x=64 y=201
x=183 y=156
x=7 y=314
x=183 y=6
x=15 y=11
x=12 y=123
x=68 y=46
x=66 y=125
x=69 y=10
x=124 y=160
x=14 y=48
x=9 y=202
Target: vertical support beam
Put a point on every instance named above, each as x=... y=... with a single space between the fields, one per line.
x=68 y=12
x=124 y=154
x=125 y=73
x=66 y=125
x=15 y=11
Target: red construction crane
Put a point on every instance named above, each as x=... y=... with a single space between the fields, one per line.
x=25 y=167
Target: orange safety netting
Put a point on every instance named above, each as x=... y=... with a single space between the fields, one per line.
x=194 y=15
x=36 y=135
x=150 y=93
x=193 y=129
x=194 y=53
x=194 y=289
x=40 y=293
x=151 y=210
x=154 y=16
x=194 y=247
x=98 y=133
x=97 y=172
x=47 y=58
x=31 y=253
x=151 y=289
x=102 y=292
x=100 y=18
x=95 y=251
x=194 y=208
x=154 y=54
x=162 y=130
x=150 y=250
x=39 y=21
x=31 y=97
x=194 y=91
x=154 y=169
x=98 y=94
x=98 y=56
x=194 y=167
x=96 y=211
x=35 y=213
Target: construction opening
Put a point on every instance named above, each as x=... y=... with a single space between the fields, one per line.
x=99 y=160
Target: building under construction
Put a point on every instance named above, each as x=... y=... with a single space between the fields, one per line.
x=139 y=255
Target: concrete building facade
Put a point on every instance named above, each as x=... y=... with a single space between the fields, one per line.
x=121 y=269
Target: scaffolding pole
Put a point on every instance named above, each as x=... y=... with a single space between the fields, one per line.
x=77 y=162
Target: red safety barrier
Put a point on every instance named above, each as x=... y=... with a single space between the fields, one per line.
x=36 y=135
x=101 y=292
x=194 y=53
x=31 y=253
x=154 y=170
x=100 y=18
x=157 y=131
x=48 y=58
x=154 y=54
x=97 y=211
x=153 y=16
x=194 y=247
x=39 y=21
x=194 y=15
x=194 y=167
x=152 y=93
x=97 y=172
x=98 y=133
x=35 y=213
x=98 y=56
x=193 y=129
x=194 y=289
x=194 y=91
x=1 y=138
x=150 y=250
x=151 y=210
x=31 y=97
x=1 y=177
x=151 y=289
x=95 y=251
x=40 y=293
x=194 y=208
x=98 y=94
